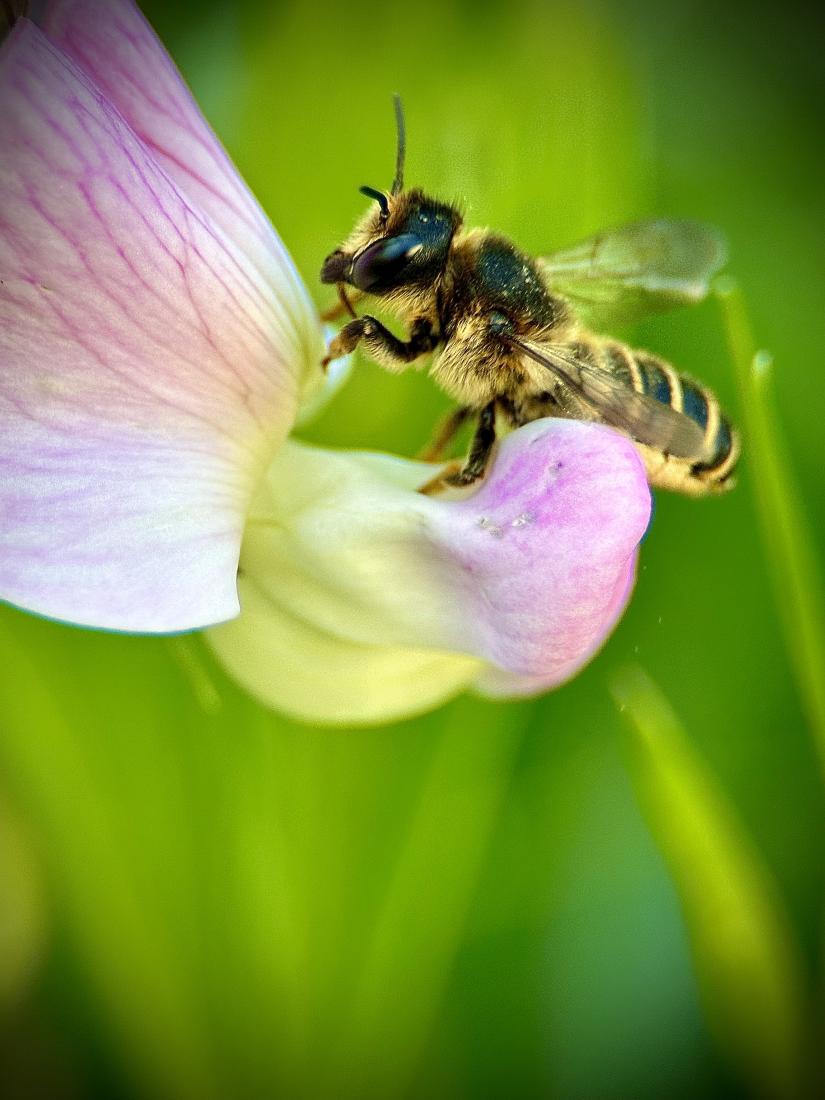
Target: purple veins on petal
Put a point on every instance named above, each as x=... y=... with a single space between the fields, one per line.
x=113 y=44
x=148 y=370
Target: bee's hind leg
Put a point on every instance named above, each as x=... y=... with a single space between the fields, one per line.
x=446 y=432
x=441 y=480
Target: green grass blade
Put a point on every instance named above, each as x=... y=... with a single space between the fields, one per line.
x=423 y=914
x=789 y=545
x=747 y=962
x=115 y=922
x=24 y=917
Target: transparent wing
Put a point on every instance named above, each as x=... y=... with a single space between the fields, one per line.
x=617 y=404
x=623 y=274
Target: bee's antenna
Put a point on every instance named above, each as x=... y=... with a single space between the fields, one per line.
x=379 y=197
x=401 y=148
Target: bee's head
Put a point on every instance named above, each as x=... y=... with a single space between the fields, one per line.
x=403 y=240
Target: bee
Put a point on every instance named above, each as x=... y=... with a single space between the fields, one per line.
x=10 y=12
x=514 y=338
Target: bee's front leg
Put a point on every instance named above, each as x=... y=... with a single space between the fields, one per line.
x=346 y=340
x=380 y=344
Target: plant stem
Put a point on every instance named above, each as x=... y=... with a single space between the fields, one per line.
x=789 y=546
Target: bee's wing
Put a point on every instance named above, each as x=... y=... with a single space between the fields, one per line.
x=618 y=404
x=623 y=274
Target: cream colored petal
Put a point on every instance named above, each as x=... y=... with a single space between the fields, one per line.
x=521 y=581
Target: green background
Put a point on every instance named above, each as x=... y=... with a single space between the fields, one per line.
x=201 y=899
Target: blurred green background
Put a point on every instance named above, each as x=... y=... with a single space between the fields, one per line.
x=201 y=899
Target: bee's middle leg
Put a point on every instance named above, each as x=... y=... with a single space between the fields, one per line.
x=477 y=460
x=344 y=305
x=480 y=449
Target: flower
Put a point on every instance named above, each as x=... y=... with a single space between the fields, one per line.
x=156 y=344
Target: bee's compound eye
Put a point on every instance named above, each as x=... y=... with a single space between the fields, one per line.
x=382 y=263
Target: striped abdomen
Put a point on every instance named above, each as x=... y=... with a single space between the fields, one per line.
x=709 y=470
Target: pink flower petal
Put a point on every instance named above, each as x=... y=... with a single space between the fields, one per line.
x=115 y=46
x=147 y=370
x=550 y=544
x=528 y=575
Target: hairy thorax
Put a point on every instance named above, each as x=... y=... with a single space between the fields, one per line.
x=490 y=283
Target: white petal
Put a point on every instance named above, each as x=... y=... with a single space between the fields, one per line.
x=118 y=50
x=147 y=370
x=323 y=387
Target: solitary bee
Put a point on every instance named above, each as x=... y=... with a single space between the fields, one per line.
x=509 y=332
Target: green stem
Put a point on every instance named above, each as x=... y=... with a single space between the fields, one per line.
x=789 y=546
x=420 y=924
x=747 y=961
